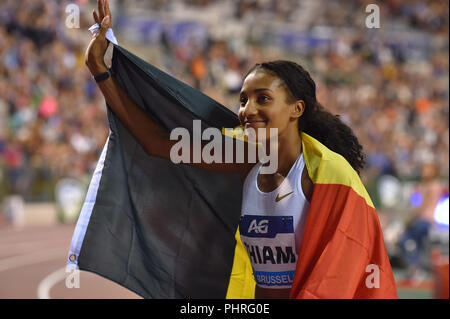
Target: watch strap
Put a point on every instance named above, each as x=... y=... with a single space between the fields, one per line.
x=103 y=76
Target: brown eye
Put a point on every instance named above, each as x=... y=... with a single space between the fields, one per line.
x=263 y=98
x=242 y=101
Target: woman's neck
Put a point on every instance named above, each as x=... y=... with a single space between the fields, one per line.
x=288 y=148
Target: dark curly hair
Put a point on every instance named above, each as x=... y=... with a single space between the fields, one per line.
x=316 y=121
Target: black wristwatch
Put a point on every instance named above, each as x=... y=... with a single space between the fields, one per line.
x=103 y=76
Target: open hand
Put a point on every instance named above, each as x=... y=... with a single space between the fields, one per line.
x=103 y=11
x=96 y=49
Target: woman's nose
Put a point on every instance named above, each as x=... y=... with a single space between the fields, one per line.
x=250 y=109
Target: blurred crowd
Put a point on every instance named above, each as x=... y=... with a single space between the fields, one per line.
x=53 y=121
x=52 y=118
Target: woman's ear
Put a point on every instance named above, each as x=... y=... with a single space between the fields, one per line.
x=298 y=109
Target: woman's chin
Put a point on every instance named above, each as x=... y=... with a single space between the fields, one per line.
x=256 y=134
x=251 y=133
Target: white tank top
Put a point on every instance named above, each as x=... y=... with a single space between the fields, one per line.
x=271 y=226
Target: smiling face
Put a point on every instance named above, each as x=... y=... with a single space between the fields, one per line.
x=266 y=103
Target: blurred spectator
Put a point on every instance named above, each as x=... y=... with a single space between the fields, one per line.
x=413 y=242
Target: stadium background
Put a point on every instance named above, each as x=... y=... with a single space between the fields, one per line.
x=389 y=84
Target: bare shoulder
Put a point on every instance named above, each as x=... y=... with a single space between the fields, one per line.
x=307 y=184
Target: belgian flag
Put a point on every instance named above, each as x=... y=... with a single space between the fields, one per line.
x=165 y=230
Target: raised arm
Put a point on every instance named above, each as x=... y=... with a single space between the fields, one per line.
x=152 y=136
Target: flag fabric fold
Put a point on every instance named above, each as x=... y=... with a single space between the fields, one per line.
x=159 y=229
x=165 y=230
x=342 y=254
